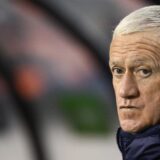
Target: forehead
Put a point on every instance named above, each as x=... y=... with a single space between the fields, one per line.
x=139 y=46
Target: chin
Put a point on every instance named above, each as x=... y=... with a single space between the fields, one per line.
x=131 y=126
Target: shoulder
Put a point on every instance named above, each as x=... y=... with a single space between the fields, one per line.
x=143 y=146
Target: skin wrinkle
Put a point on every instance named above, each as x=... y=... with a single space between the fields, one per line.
x=153 y=58
x=148 y=39
x=130 y=53
x=139 y=45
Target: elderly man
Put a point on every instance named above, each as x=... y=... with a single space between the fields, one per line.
x=135 y=66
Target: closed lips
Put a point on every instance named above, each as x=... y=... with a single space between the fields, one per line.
x=129 y=107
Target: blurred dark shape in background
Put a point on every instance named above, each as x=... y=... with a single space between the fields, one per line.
x=57 y=99
x=152 y=2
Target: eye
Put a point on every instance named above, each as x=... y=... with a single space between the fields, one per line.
x=144 y=72
x=117 y=71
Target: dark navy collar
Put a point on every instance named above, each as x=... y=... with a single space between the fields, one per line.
x=124 y=139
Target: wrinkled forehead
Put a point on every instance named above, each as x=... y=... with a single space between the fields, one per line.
x=137 y=48
x=136 y=42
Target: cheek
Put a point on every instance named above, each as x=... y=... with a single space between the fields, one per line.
x=151 y=93
x=116 y=93
x=118 y=99
x=151 y=113
x=115 y=86
x=151 y=100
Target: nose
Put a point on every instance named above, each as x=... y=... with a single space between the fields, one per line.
x=128 y=87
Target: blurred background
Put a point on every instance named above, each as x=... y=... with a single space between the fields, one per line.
x=56 y=96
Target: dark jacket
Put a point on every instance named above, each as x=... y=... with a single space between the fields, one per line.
x=140 y=146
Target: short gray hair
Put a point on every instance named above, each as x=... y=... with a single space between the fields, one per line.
x=143 y=19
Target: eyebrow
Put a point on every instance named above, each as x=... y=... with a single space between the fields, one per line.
x=137 y=62
x=113 y=63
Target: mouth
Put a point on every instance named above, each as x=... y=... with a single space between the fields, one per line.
x=129 y=107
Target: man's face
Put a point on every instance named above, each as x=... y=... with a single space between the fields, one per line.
x=135 y=65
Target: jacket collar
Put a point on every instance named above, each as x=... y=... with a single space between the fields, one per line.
x=125 y=138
